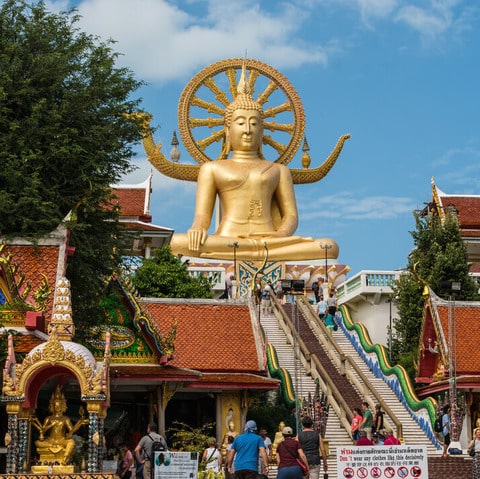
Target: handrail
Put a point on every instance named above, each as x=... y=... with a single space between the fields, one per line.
x=312 y=363
x=344 y=362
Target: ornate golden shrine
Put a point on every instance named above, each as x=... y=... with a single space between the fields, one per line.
x=62 y=358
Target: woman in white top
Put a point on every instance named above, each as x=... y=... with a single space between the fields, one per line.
x=475 y=442
x=212 y=456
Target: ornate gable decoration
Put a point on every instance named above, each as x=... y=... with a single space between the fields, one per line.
x=14 y=291
x=135 y=336
x=92 y=376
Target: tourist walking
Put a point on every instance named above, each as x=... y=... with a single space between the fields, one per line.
x=125 y=465
x=146 y=444
x=322 y=308
x=390 y=439
x=378 y=420
x=244 y=454
x=288 y=451
x=356 y=421
x=363 y=440
x=212 y=457
x=367 y=419
x=446 y=428
x=312 y=444
x=474 y=451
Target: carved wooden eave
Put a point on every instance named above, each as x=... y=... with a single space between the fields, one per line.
x=144 y=329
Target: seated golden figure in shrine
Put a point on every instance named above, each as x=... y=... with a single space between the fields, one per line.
x=257 y=199
x=56 y=444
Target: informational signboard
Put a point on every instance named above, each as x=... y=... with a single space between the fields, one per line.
x=175 y=465
x=382 y=462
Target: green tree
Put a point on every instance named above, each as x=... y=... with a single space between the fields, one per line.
x=164 y=276
x=66 y=135
x=439 y=255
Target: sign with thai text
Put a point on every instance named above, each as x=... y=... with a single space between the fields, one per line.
x=382 y=462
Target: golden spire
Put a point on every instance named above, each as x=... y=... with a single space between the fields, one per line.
x=62 y=321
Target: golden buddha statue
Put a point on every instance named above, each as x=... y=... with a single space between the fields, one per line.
x=231 y=433
x=257 y=199
x=58 y=446
x=277 y=439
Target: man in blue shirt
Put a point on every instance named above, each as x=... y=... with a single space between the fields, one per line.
x=246 y=449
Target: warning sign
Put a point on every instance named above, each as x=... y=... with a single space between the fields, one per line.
x=382 y=462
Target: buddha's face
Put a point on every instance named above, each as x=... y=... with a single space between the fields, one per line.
x=246 y=130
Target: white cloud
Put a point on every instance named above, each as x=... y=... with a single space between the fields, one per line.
x=161 y=41
x=345 y=206
x=429 y=23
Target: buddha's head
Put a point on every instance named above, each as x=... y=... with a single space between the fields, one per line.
x=245 y=110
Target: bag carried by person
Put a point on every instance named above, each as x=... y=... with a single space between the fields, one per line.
x=302 y=465
x=472 y=451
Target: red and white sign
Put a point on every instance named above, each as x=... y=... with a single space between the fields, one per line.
x=382 y=462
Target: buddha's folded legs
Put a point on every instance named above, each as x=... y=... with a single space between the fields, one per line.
x=278 y=248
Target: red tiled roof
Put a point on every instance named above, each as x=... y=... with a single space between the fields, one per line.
x=468 y=210
x=475 y=268
x=24 y=344
x=33 y=261
x=465 y=325
x=211 y=336
x=131 y=201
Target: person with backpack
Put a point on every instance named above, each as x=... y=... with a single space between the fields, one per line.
x=266 y=300
x=152 y=441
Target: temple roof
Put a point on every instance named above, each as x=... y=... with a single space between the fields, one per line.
x=467 y=208
x=218 y=345
x=134 y=203
x=210 y=331
x=449 y=341
x=36 y=269
x=134 y=200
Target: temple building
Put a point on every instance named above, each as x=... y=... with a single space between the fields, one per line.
x=155 y=363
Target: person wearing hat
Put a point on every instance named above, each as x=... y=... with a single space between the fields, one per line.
x=376 y=439
x=288 y=452
x=390 y=439
x=363 y=439
x=244 y=453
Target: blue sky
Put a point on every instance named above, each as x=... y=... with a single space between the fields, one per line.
x=401 y=76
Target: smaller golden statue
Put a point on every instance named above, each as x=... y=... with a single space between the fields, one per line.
x=57 y=447
x=278 y=439
x=230 y=433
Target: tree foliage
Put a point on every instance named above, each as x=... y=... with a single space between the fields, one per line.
x=164 y=276
x=439 y=255
x=65 y=136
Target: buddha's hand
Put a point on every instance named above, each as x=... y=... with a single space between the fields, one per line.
x=196 y=238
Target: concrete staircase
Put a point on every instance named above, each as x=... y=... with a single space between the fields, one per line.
x=412 y=433
x=304 y=384
x=289 y=357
